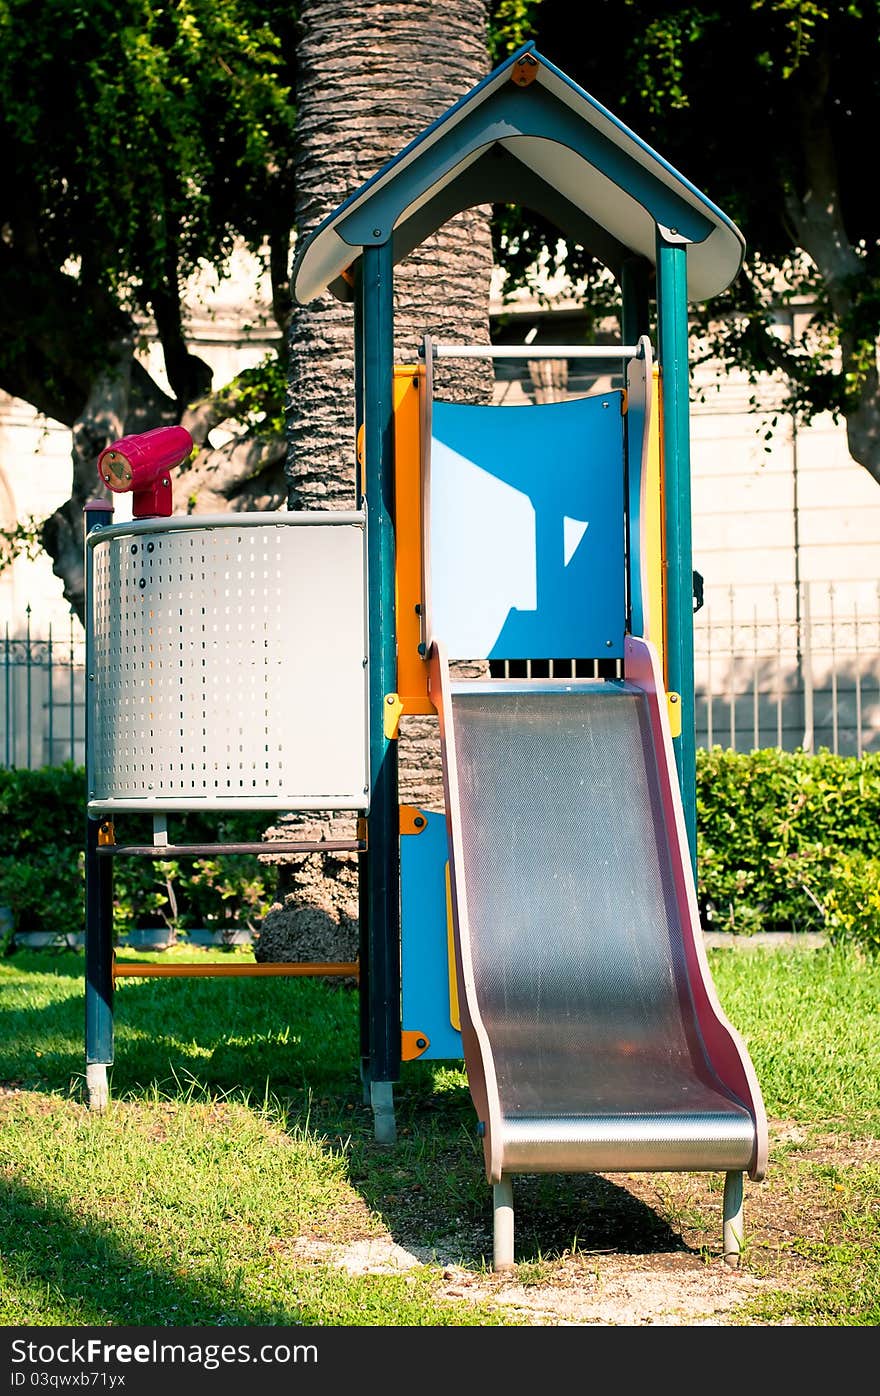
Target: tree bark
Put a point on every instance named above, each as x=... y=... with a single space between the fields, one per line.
x=817 y=218
x=372 y=75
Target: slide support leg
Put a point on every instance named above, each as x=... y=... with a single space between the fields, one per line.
x=502 y=1206
x=733 y=1218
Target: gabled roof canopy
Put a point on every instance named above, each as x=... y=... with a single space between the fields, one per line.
x=527 y=135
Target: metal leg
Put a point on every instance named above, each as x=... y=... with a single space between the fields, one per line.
x=97 y=1086
x=502 y=1204
x=364 y=972
x=733 y=1218
x=382 y=1101
x=99 y=970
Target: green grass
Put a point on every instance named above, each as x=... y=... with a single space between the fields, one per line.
x=238 y=1152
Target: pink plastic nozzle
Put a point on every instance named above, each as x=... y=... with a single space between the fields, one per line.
x=141 y=464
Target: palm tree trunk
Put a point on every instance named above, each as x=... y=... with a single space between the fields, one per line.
x=372 y=74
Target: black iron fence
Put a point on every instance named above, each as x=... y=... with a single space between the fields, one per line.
x=806 y=675
x=42 y=694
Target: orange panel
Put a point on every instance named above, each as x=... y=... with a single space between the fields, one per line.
x=412 y=671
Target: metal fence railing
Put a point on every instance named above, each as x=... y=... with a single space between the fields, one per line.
x=42 y=694
x=806 y=675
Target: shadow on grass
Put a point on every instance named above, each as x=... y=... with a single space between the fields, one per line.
x=431 y=1192
x=77 y=1264
x=297 y=1040
x=253 y=1035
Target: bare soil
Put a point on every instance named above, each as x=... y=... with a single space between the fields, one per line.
x=649 y=1246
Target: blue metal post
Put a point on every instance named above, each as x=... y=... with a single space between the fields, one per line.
x=672 y=327
x=382 y=891
x=99 y=886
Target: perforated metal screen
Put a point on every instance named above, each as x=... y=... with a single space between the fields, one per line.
x=228 y=664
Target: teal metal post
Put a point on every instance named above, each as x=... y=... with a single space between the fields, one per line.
x=672 y=334
x=99 y=883
x=382 y=891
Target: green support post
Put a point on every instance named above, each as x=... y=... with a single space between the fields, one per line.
x=672 y=335
x=381 y=898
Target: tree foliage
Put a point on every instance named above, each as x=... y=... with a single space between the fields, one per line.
x=766 y=106
x=142 y=140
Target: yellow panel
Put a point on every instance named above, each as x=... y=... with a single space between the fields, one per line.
x=454 y=1014
x=412 y=671
x=655 y=601
x=673 y=705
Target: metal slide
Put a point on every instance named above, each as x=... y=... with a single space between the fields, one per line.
x=593 y=1038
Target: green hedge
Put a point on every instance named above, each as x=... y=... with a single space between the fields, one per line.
x=786 y=841
x=42 y=835
x=789 y=841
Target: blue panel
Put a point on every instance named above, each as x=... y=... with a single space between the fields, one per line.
x=527 y=529
x=424 y=939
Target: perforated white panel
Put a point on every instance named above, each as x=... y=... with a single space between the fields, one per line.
x=228 y=664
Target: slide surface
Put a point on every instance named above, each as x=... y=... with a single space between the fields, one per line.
x=593 y=1038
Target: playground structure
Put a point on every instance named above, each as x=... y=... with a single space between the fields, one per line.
x=545 y=928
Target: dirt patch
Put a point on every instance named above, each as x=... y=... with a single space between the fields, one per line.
x=651 y=1250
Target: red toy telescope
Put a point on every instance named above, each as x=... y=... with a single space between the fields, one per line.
x=140 y=465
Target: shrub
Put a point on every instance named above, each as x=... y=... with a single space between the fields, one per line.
x=42 y=836
x=786 y=840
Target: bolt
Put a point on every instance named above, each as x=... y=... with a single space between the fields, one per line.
x=481 y=1128
x=421 y=1043
x=377 y=232
x=423 y=649
x=609 y=643
x=418 y=821
x=390 y=700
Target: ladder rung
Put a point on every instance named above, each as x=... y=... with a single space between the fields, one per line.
x=206 y=850
x=124 y=969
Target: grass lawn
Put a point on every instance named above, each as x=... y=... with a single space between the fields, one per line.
x=234 y=1180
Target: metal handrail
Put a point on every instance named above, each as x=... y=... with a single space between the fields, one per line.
x=536 y=351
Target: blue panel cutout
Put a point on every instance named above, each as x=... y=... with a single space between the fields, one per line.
x=527 y=529
x=424 y=939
